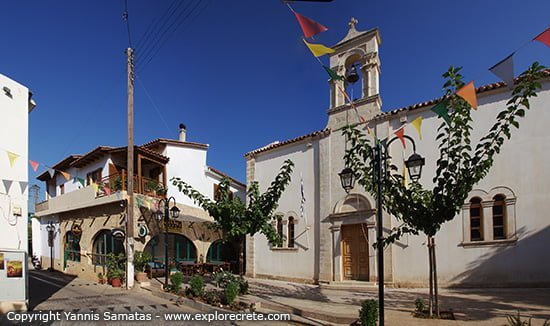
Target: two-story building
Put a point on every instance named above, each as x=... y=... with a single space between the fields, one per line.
x=15 y=105
x=86 y=207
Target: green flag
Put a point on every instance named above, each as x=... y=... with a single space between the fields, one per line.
x=441 y=110
x=333 y=75
x=82 y=181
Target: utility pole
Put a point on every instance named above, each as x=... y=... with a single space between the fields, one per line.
x=130 y=168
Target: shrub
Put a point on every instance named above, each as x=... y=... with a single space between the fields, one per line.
x=419 y=304
x=516 y=320
x=115 y=266
x=196 y=286
x=177 y=281
x=141 y=259
x=231 y=292
x=211 y=297
x=222 y=278
x=368 y=315
x=243 y=285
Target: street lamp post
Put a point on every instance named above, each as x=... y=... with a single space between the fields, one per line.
x=51 y=229
x=347 y=177
x=173 y=212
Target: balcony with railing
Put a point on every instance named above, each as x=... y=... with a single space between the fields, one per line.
x=119 y=182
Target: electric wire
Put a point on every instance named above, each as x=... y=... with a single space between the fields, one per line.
x=125 y=17
x=152 y=102
x=148 y=32
x=164 y=26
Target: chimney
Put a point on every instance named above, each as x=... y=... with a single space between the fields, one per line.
x=183 y=132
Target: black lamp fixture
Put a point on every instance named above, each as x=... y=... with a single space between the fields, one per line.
x=414 y=165
x=347 y=178
x=165 y=215
x=351 y=75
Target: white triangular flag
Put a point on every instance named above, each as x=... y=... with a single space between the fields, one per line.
x=505 y=70
x=23 y=185
x=7 y=185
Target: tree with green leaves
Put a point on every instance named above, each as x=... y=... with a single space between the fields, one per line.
x=237 y=219
x=459 y=166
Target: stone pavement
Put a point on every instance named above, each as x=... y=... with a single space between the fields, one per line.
x=325 y=305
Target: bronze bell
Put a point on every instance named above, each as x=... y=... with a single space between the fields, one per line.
x=352 y=76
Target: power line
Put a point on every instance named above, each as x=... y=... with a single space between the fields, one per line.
x=162 y=18
x=125 y=17
x=162 y=27
x=152 y=102
x=181 y=22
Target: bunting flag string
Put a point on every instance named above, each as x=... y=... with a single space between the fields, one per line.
x=138 y=199
x=7 y=185
x=12 y=157
x=442 y=111
x=51 y=172
x=23 y=185
x=417 y=124
x=504 y=70
x=34 y=165
x=468 y=93
x=66 y=175
x=318 y=50
x=400 y=133
x=544 y=37
x=309 y=26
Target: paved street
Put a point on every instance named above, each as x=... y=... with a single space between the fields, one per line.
x=60 y=294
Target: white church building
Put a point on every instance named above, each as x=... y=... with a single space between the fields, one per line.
x=500 y=238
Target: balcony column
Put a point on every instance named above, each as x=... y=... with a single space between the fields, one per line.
x=140 y=190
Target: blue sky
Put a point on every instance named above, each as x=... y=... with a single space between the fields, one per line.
x=238 y=75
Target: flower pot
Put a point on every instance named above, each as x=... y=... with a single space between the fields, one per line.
x=116 y=282
x=141 y=277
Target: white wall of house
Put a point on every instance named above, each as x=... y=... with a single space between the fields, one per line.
x=14 y=118
x=519 y=172
x=301 y=259
x=521 y=167
x=189 y=164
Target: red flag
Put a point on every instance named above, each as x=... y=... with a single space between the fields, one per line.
x=309 y=26
x=34 y=165
x=107 y=191
x=544 y=37
x=400 y=133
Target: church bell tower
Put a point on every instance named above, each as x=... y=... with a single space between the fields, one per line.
x=355 y=58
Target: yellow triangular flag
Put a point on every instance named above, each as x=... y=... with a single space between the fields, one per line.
x=12 y=157
x=148 y=203
x=318 y=49
x=417 y=124
x=468 y=93
x=66 y=175
x=95 y=186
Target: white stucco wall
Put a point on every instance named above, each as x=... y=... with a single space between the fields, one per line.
x=300 y=261
x=13 y=137
x=522 y=167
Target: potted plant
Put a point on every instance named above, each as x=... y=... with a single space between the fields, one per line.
x=115 y=269
x=100 y=278
x=140 y=262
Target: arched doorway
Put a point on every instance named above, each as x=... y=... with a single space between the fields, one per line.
x=105 y=243
x=180 y=248
x=220 y=251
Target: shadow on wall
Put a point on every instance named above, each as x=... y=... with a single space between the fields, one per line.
x=524 y=263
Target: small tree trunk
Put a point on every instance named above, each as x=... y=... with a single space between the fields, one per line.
x=241 y=255
x=435 y=279
x=430 y=300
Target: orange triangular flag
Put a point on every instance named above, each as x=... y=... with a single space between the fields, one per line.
x=66 y=175
x=400 y=133
x=468 y=93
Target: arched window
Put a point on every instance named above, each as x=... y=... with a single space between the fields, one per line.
x=280 y=228
x=499 y=217
x=291 y=232
x=105 y=243
x=221 y=252
x=72 y=247
x=476 y=220
x=179 y=248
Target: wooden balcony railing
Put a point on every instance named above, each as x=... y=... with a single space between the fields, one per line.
x=142 y=185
